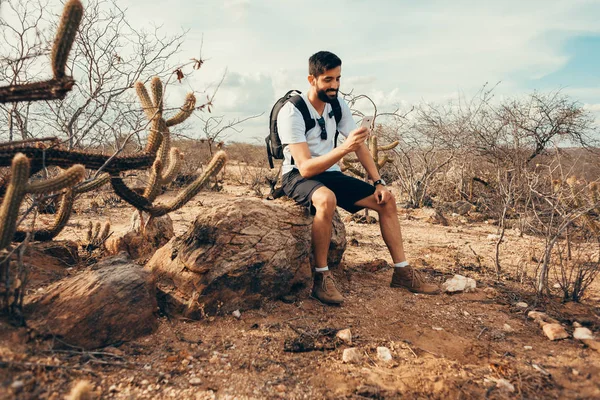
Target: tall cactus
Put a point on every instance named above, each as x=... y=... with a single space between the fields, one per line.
x=168 y=160
x=19 y=187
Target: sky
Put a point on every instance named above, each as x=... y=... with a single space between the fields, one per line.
x=397 y=52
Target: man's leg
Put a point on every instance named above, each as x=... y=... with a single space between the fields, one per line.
x=404 y=275
x=324 y=202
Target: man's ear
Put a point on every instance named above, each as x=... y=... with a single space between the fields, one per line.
x=312 y=80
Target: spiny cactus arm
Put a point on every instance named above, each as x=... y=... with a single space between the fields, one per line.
x=131 y=197
x=94 y=184
x=213 y=168
x=175 y=161
x=96 y=231
x=165 y=146
x=154 y=138
x=40 y=158
x=60 y=220
x=65 y=36
x=382 y=162
x=388 y=146
x=104 y=233
x=154 y=184
x=68 y=178
x=185 y=112
x=88 y=234
x=156 y=87
x=9 y=210
x=147 y=104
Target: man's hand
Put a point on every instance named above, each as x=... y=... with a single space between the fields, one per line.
x=382 y=195
x=355 y=139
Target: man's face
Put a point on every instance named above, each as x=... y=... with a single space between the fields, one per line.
x=328 y=84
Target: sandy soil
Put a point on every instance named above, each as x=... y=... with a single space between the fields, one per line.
x=446 y=346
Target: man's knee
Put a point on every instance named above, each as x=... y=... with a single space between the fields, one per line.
x=390 y=205
x=324 y=200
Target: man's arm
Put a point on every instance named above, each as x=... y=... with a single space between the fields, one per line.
x=310 y=167
x=366 y=159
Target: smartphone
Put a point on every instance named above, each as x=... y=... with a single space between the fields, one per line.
x=367 y=122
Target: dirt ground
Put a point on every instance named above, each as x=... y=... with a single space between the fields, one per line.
x=445 y=346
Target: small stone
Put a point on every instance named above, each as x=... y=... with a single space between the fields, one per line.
x=351 y=355
x=281 y=388
x=384 y=354
x=522 y=304
x=144 y=382
x=185 y=362
x=466 y=313
x=459 y=283
x=17 y=385
x=583 y=333
x=437 y=328
x=503 y=384
x=556 y=286
x=555 y=331
x=575 y=372
x=527 y=348
x=195 y=381
x=492 y=237
x=147 y=366
x=507 y=328
x=237 y=314
x=345 y=336
x=113 y=389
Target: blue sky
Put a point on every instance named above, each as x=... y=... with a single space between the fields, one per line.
x=397 y=52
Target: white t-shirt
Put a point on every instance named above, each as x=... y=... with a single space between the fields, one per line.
x=290 y=126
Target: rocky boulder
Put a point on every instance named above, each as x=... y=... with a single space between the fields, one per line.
x=111 y=302
x=238 y=253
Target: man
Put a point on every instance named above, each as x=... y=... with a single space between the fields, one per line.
x=312 y=177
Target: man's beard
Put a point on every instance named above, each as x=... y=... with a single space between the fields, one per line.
x=325 y=96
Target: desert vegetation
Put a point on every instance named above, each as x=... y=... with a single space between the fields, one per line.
x=144 y=255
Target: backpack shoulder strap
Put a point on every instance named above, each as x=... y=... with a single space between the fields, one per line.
x=300 y=104
x=336 y=111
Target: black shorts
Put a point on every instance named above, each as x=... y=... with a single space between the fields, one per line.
x=347 y=190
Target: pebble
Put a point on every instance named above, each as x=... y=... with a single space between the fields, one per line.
x=351 y=355
x=583 y=333
x=281 y=388
x=384 y=354
x=436 y=328
x=113 y=389
x=147 y=366
x=237 y=314
x=522 y=304
x=507 y=328
x=345 y=335
x=195 y=381
x=527 y=348
x=17 y=385
x=144 y=382
x=555 y=331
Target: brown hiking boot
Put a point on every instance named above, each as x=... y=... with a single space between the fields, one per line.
x=324 y=289
x=411 y=279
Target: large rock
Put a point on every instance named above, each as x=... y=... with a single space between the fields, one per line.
x=112 y=301
x=238 y=253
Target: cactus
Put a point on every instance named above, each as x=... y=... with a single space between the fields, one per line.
x=170 y=159
x=65 y=36
x=64 y=211
x=143 y=204
x=374 y=149
x=96 y=235
x=19 y=187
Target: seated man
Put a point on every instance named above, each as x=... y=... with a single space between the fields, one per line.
x=312 y=177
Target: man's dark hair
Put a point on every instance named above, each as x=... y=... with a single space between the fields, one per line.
x=321 y=62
